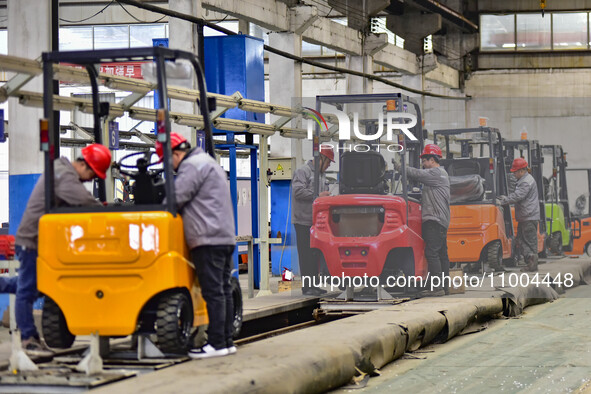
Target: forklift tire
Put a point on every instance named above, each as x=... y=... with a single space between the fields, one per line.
x=237 y=303
x=555 y=244
x=514 y=258
x=54 y=327
x=494 y=255
x=588 y=249
x=174 y=322
x=544 y=253
x=571 y=245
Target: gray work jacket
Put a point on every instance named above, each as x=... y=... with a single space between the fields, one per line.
x=525 y=198
x=435 y=196
x=69 y=191
x=203 y=199
x=302 y=188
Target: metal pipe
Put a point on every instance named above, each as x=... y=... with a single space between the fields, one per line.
x=48 y=114
x=98 y=135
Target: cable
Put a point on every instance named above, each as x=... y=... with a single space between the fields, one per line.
x=90 y=17
x=213 y=26
x=133 y=16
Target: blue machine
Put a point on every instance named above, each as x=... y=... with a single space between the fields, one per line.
x=282 y=255
x=236 y=63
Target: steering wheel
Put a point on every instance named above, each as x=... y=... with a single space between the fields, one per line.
x=141 y=165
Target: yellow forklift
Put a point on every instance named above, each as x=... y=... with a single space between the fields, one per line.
x=121 y=269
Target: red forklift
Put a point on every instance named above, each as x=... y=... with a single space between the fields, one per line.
x=373 y=227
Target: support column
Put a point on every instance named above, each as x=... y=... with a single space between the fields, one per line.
x=285 y=76
x=359 y=85
x=184 y=36
x=355 y=84
x=26 y=40
x=263 y=215
x=285 y=88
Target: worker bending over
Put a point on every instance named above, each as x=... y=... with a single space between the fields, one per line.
x=203 y=198
x=69 y=191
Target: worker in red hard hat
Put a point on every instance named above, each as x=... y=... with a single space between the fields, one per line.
x=435 y=211
x=302 y=187
x=203 y=199
x=69 y=191
x=527 y=212
x=178 y=143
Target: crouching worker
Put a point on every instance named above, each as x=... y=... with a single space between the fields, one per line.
x=527 y=212
x=69 y=191
x=203 y=199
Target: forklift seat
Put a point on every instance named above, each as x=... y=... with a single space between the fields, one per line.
x=362 y=173
x=460 y=167
x=470 y=166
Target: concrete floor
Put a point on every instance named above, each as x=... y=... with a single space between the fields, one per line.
x=547 y=349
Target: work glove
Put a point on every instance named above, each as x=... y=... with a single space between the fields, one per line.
x=502 y=200
x=397 y=165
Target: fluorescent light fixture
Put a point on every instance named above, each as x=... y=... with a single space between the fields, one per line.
x=261 y=128
x=280 y=110
x=188 y=120
x=254 y=106
x=142 y=114
x=229 y=124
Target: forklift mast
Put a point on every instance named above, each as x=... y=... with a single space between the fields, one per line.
x=90 y=60
x=401 y=103
x=559 y=165
x=478 y=138
x=532 y=152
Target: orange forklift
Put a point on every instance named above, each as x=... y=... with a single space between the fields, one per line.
x=480 y=230
x=581 y=210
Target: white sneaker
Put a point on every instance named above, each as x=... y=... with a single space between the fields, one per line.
x=207 y=351
x=231 y=349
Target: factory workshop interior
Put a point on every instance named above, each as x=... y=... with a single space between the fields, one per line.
x=295 y=196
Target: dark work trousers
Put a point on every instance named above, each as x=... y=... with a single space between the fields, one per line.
x=435 y=237
x=527 y=234
x=306 y=256
x=25 y=290
x=213 y=266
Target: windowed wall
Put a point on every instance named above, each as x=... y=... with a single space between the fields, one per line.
x=555 y=31
x=110 y=37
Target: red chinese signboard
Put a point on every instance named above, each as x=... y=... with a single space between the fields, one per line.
x=122 y=69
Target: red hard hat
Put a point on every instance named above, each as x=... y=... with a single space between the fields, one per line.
x=327 y=151
x=432 y=149
x=518 y=164
x=98 y=158
x=175 y=140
